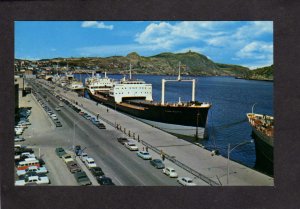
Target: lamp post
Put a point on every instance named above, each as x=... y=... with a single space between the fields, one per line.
x=74 y=123
x=228 y=155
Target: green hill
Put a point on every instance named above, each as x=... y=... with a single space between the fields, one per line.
x=264 y=73
x=192 y=63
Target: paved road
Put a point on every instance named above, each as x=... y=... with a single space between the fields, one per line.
x=122 y=165
x=201 y=160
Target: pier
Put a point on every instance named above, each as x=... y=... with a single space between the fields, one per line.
x=184 y=156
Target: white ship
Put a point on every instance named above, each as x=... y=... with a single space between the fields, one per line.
x=134 y=97
x=98 y=83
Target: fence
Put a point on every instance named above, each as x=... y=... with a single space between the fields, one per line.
x=183 y=166
x=170 y=158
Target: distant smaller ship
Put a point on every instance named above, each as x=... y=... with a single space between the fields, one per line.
x=75 y=86
x=263 y=134
x=96 y=83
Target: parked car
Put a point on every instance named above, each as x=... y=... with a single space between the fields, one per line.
x=18 y=151
x=95 y=121
x=19 y=146
x=122 y=140
x=36 y=169
x=170 y=172
x=144 y=155
x=131 y=146
x=58 y=123
x=67 y=158
x=83 y=156
x=97 y=171
x=19 y=139
x=105 y=181
x=101 y=126
x=24 y=122
x=24 y=155
x=54 y=117
x=157 y=163
x=186 y=181
x=90 y=163
x=19 y=131
x=88 y=117
x=60 y=152
x=73 y=167
x=82 y=179
x=32 y=179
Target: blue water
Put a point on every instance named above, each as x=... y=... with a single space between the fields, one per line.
x=231 y=99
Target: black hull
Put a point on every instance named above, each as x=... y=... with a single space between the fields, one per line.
x=264 y=153
x=185 y=116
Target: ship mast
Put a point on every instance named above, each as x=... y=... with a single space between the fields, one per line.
x=130 y=72
x=178 y=79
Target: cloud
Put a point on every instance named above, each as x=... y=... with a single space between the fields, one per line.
x=156 y=35
x=29 y=58
x=256 y=50
x=232 y=42
x=254 y=29
x=165 y=35
x=96 y=24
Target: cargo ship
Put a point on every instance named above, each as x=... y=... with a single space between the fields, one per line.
x=134 y=97
x=263 y=134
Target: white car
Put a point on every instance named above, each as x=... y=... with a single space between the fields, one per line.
x=186 y=181
x=57 y=108
x=19 y=139
x=22 y=122
x=27 y=154
x=54 y=117
x=18 y=146
x=90 y=163
x=21 y=125
x=145 y=155
x=67 y=158
x=131 y=146
x=170 y=172
x=33 y=179
x=83 y=156
x=19 y=131
x=32 y=169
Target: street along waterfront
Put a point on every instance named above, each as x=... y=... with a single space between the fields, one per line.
x=231 y=99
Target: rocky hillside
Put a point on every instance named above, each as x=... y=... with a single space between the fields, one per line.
x=264 y=73
x=192 y=63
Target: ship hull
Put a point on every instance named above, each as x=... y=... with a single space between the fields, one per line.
x=264 y=152
x=182 y=121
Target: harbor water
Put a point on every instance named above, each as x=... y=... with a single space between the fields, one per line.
x=231 y=99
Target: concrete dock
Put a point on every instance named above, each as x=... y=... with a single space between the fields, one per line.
x=197 y=158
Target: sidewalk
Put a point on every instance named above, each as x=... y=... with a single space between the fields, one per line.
x=197 y=158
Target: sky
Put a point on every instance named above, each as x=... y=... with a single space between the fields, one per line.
x=246 y=43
